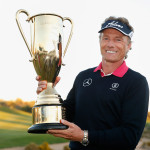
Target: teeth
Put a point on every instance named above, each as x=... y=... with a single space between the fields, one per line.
x=112 y=52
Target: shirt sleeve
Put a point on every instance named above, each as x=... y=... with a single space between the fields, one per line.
x=134 y=114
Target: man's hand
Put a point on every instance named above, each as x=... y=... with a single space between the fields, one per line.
x=42 y=85
x=73 y=132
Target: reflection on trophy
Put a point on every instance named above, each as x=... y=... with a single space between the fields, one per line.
x=46 y=52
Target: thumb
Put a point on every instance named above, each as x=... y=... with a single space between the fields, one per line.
x=56 y=81
x=65 y=122
x=38 y=78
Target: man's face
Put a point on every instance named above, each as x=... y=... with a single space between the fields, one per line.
x=114 y=45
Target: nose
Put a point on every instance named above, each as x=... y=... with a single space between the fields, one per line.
x=110 y=43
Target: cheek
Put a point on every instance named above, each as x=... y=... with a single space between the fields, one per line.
x=123 y=51
x=102 y=49
x=127 y=48
x=102 y=45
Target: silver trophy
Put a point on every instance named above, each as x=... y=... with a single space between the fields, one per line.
x=46 y=52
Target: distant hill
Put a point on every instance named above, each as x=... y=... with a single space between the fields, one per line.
x=18 y=104
x=11 y=118
x=148 y=117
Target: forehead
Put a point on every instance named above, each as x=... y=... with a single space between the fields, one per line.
x=112 y=31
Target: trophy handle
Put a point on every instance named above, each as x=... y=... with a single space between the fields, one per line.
x=20 y=28
x=71 y=32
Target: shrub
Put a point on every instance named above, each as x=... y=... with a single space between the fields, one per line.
x=66 y=147
x=44 y=146
x=146 y=145
x=32 y=146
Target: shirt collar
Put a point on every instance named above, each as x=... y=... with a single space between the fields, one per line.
x=119 y=72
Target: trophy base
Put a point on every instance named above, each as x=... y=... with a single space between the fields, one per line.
x=42 y=128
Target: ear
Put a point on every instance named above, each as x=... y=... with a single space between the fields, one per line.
x=129 y=46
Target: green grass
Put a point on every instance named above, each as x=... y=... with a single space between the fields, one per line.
x=13 y=130
x=13 y=138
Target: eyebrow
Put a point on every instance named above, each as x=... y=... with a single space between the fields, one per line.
x=119 y=37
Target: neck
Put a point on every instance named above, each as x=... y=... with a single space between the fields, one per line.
x=110 y=67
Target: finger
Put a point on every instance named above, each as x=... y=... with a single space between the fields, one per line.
x=56 y=81
x=41 y=83
x=38 y=78
x=66 y=136
x=65 y=122
x=39 y=90
x=62 y=132
x=41 y=87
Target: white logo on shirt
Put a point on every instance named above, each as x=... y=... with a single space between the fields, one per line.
x=87 y=82
x=114 y=86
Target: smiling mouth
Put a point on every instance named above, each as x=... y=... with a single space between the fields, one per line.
x=111 y=52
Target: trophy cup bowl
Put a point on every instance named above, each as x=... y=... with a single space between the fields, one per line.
x=46 y=52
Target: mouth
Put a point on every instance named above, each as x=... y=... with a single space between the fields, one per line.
x=111 y=52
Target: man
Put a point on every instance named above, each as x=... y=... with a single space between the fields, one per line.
x=107 y=106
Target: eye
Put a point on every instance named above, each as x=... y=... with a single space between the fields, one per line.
x=105 y=38
x=118 y=40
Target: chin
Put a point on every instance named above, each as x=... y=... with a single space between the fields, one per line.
x=113 y=60
x=110 y=60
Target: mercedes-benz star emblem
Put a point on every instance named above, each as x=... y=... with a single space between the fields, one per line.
x=115 y=85
x=87 y=82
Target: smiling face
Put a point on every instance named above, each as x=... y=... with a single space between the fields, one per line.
x=114 y=45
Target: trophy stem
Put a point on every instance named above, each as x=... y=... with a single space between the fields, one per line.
x=48 y=96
